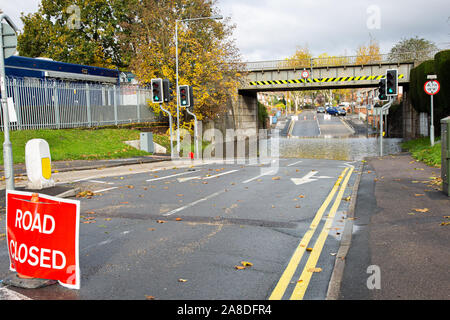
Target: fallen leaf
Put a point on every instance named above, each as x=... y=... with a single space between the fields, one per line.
x=90 y=212
x=445 y=223
x=89 y=221
x=130 y=187
x=422 y=210
x=246 y=263
x=180 y=195
x=151 y=229
x=419 y=195
x=149 y=297
x=297 y=206
x=276 y=178
x=347 y=198
x=160 y=221
x=182 y=280
x=315 y=270
x=178 y=219
x=239 y=267
x=309 y=249
x=301 y=196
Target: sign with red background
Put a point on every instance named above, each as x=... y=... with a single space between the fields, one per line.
x=43 y=237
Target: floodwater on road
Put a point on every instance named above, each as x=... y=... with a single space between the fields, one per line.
x=350 y=148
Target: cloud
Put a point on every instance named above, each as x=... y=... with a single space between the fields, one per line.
x=269 y=29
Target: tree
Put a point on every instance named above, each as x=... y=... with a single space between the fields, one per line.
x=413 y=49
x=208 y=57
x=75 y=31
x=370 y=53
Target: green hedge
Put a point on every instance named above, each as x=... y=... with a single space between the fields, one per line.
x=419 y=99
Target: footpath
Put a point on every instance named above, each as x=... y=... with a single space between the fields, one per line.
x=401 y=231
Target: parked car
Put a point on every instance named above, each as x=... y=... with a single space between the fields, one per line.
x=320 y=110
x=342 y=112
x=332 y=111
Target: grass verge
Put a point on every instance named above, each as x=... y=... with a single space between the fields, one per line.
x=80 y=144
x=422 y=150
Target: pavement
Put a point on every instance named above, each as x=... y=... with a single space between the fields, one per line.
x=400 y=234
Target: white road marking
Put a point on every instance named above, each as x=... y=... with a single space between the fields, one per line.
x=205 y=178
x=257 y=177
x=98 y=181
x=220 y=174
x=308 y=178
x=293 y=164
x=107 y=189
x=171 y=176
x=193 y=203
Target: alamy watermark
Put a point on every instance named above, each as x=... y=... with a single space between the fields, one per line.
x=74 y=21
x=374 y=17
x=374 y=280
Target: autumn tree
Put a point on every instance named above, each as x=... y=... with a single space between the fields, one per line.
x=208 y=57
x=75 y=31
x=369 y=53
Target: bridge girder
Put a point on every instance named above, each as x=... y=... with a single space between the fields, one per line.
x=334 y=77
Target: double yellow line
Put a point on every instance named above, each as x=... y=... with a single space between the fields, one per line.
x=305 y=277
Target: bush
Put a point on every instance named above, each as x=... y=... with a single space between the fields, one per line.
x=419 y=99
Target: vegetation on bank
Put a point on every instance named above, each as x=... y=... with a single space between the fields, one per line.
x=422 y=150
x=81 y=144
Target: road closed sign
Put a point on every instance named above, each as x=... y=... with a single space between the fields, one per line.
x=42 y=237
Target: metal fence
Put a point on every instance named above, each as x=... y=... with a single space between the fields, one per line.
x=417 y=56
x=40 y=104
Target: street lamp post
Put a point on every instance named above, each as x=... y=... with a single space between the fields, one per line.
x=176 y=62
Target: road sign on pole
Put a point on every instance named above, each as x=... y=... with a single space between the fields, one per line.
x=9 y=40
x=305 y=74
x=8 y=43
x=431 y=88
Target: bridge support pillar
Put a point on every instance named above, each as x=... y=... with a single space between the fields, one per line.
x=245 y=110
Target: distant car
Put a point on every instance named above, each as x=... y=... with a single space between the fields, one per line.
x=333 y=111
x=342 y=112
x=320 y=110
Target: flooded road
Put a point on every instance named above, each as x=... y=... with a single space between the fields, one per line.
x=351 y=148
x=314 y=137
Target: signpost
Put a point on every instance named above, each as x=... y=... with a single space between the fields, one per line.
x=305 y=74
x=431 y=88
x=8 y=43
x=42 y=237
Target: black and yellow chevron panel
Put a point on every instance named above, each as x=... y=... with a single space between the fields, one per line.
x=315 y=80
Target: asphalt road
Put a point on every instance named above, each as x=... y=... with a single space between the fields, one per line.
x=178 y=234
x=312 y=124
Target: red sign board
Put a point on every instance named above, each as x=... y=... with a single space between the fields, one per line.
x=42 y=237
x=305 y=74
x=432 y=87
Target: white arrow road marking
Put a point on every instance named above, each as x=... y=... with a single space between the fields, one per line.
x=308 y=178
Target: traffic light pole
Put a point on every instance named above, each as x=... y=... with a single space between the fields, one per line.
x=383 y=108
x=196 y=150
x=170 y=130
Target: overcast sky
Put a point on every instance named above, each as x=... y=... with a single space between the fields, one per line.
x=272 y=29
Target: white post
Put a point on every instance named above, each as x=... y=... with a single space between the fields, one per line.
x=432 y=123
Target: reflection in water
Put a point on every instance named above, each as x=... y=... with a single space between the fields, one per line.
x=354 y=148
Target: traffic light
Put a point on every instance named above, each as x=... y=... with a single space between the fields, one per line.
x=157 y=91
x=382 y=90
x=184 y=94
x=167 y=91
x=392 y=82
x=191 y=99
